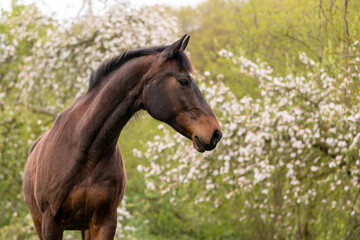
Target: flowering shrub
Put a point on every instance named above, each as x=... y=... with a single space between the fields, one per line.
x=62 y=60
x=289 y=161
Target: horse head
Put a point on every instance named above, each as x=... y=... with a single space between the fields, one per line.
x=171 y=95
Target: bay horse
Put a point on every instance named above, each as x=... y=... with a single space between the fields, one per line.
x=74 y=177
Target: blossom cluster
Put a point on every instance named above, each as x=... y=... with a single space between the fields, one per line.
x=62 y=59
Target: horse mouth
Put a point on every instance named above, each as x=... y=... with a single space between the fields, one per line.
x=200 y=146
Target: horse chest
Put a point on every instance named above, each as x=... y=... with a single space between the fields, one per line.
x=97 y=193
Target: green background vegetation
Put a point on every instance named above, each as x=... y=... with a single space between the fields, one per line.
x=272 y=31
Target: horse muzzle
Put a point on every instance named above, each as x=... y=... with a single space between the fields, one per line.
x=201 y=146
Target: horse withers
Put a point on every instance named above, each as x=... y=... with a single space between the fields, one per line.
x=75 y=177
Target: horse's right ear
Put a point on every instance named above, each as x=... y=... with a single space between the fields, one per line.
x=177 y=46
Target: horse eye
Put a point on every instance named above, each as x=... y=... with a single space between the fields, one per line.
x=184 y=82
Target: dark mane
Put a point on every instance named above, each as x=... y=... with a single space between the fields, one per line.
x=109 y=66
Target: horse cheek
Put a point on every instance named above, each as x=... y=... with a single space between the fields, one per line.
x=158 y=105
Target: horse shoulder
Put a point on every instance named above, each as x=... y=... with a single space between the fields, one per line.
x=57 y=163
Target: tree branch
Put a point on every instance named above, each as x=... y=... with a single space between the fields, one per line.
x=44 y=111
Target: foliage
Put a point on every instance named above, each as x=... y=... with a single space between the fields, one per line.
x=273 y=31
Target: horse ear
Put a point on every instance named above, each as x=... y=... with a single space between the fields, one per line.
x=185 y=42
x=174 y=48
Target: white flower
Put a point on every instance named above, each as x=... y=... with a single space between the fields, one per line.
x=314 y=168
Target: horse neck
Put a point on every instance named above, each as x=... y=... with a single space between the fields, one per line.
x=112 y=105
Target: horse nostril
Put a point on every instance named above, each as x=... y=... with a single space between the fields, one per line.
x=215 y=138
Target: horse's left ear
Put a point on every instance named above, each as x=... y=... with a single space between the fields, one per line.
x=177 y=46
x=185 y=42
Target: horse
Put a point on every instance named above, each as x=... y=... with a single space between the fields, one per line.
x=74 y=177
